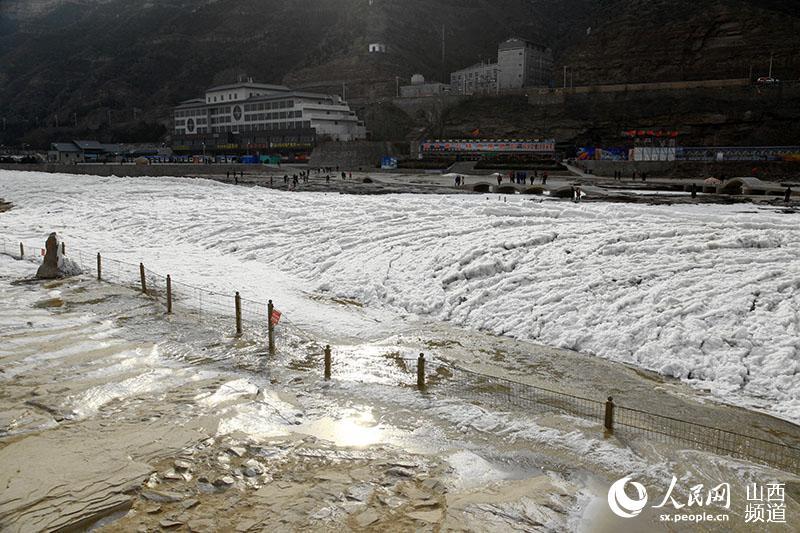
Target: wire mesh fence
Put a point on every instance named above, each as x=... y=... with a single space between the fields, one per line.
x=431 y=374
x=502 y=392
x=717 y=440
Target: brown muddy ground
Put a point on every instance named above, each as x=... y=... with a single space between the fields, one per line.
x=116 y=417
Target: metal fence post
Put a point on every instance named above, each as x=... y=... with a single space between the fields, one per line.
x=421 y=372
x=144 y=280
x=271 y=328
x=238 y=302
x=63 y=248
x=21 y=250
x=99 y=268
x=609 y=419
x=327 y=362
x=169 y=294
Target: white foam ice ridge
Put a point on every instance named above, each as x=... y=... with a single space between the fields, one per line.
x=135 y=374
x=708 y=293
x=229 y=392
x=471 y=470
x=265 y=417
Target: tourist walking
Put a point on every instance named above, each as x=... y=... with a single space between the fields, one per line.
x=787 y=197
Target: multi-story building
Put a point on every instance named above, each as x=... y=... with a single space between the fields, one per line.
x=520 y=63
x=524 y=64
x=239 y=115
x=481 y=78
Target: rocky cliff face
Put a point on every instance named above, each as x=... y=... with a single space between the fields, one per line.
x=83 y=61
x=648 y=41
x=738 y=116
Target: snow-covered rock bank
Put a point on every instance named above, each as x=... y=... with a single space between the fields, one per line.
x=707 y=293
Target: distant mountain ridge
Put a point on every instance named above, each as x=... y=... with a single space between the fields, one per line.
x=83 y=61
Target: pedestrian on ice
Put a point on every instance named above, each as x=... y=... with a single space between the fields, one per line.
x=327 y=178
x=787 y=196
x=228 y=175
x=499 y=179
x=544 y=177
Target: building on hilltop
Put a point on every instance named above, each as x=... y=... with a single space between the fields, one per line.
x=377 y=48
x=480 y=78
x=520 y=63
x=523 y=63
x=420 y=88
x=248 y=116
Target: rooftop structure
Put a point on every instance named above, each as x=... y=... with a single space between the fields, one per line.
x=249 y=107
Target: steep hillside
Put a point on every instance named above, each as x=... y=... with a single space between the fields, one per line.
x=81 y=63
x=640 y=40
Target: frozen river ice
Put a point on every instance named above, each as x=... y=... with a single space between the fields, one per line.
x=707 y=294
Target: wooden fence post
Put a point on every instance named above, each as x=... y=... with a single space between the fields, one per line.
x=169 y=294
x=271 y=328
x=609 y=421
x=21 y=250
x=99 y=268
x=327 y=362
x=238 y=302
x=144 y=280
x=63 y=248
x=421 y=372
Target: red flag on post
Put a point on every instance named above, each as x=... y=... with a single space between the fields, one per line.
x=275 y=318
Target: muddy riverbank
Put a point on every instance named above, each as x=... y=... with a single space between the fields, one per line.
x=116 y=417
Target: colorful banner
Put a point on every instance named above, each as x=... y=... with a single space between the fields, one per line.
x=541 y=147
x=591 y=153
x=389 y=163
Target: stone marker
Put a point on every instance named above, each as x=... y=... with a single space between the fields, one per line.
x=55 y=265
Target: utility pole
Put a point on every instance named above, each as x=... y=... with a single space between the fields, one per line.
x=344 y=91
x=108 y=113
x=56 y=120
x=75 y=119
x=444 y=56
x=397 y=84
x=771 y=58
x=565 y=76
x=4 y=123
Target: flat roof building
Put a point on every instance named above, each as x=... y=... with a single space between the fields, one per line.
x=480 y=78
x=520 y=63
x=524 y=64
x=420 y=88
x=248 y=107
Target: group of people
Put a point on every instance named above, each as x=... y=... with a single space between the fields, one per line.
x=235 y=176
x=520 y=178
